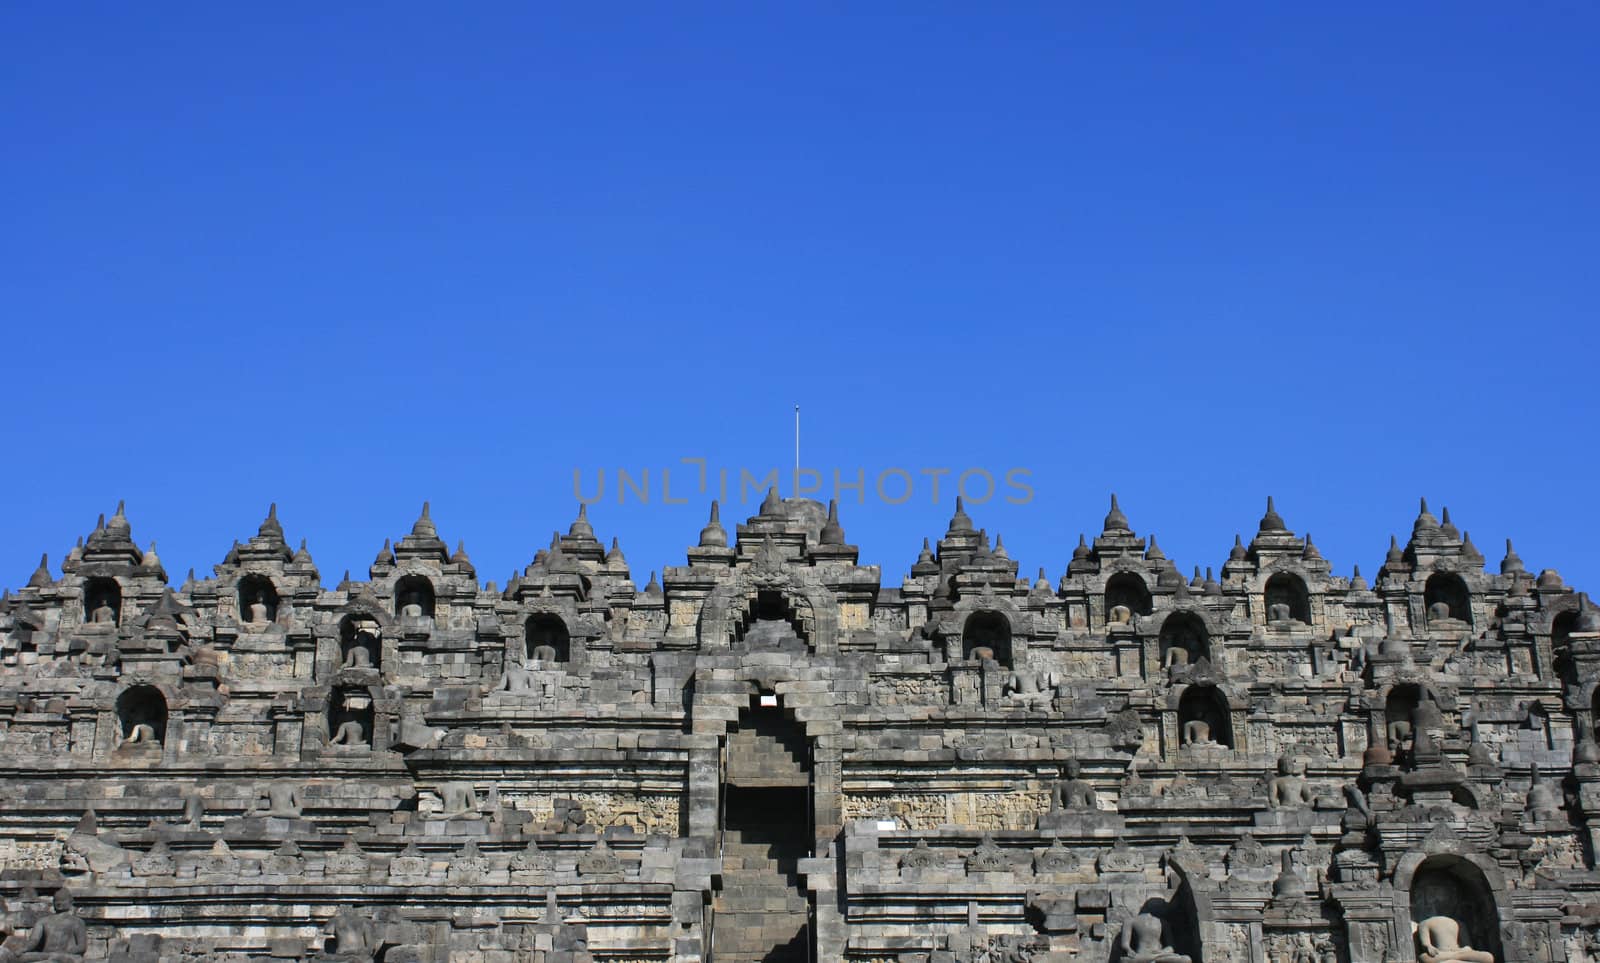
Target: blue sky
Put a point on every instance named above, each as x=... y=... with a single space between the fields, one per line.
x=349 y=259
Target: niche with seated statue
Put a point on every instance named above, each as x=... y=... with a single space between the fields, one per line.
x=141 y=716
x=350 y=718
x=1127 y=595
x=102 y=601
x=1184 y=640
x=359 y=646
x=1203 y=718
x=1286 y=599
x=258 y=600
x=987 y=635
x=413 y=598
x=1446 y=599
x=547 y=638
x=1449 y=888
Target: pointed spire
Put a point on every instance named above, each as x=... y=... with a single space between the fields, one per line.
x=424 y=527
x=1357 y=583
x=1310 y=553
x=119 y=521
x=461 y=557
x=1468 y=549
x=1043 y=583
x=1081 y=550
x=960 y=521
x=41 y=575
x=270 y=528
x=1512 y=563
x=302 y=555
x=1000 y=546
x=1154 y=552
x=714 y=535
x=1445 y=527
x=232 y=558
x=385 y=554
x=188 y=581
x=1237 y=553
x=100 y=523
x=1394 y=557
x=344 y=583
x=1272 y=521
x=580 y=527
x=1425 y=523
x=614 y=557
x=1588 y=620
x=772 y=505
x=654 y=587
x=832 y=531
x=926 y=555
x=151 y=562
x=1197 y=583
x=1211 y=586
x=1115 y=521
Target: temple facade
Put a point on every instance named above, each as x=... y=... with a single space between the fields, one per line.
x=772 y=753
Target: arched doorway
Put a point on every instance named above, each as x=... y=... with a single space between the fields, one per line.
x=1453 y=887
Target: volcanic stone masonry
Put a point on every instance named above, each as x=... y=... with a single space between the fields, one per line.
x=768 y=754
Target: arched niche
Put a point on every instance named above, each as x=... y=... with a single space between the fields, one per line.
x=1129 y=590
x=1286 y=597
x=1206 y=705
x=987 y=630
x=1184 y=639
x=1399 y=717
x=1445 y=596
x=142 y=715
x=350 y=717
x=413 y=597
x=770 y=621
x=102 y=601
x=1455 y=887
x=258 y=600
x=359 y=645
x=547 y=638
x=1561 y=628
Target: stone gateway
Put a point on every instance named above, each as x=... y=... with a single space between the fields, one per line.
x=772 y=753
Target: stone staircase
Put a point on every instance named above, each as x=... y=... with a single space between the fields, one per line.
x=761 y=912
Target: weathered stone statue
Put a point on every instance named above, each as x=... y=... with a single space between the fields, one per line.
x=103 y=614
x=350 y=733
x=1543 y=802
x=359 y=656
x=283 y=800
x=352 y=938
x=1141 y=942
x=1289 y=789
x=1073 y=792
x=546 y=653
x=139 y=733
x=1279 y=612
x=459 y=800
x=60 y=937
x=1197 y=733
x=516 y=678
x=1439 y=938
x=256 y=611
x=411 y=604
x=1119 y=615
x=1030 y=687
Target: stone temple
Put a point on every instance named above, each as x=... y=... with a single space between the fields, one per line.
x=770 y=753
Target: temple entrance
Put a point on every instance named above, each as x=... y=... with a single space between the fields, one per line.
x=763 y=913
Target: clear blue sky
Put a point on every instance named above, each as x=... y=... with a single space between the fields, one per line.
x=348 y=257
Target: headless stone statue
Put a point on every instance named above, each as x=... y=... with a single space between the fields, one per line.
x=460 y=802
x=1073 y=792
x=411 y=605
x=1400 y=733
x=1197 y=733
x=1440 y=940
x=1439 y=612
x=60 y=937
x=349 y=734
x=103 y=614
x=1119 y=615
x=140 y=733
x=1177 y=656
x=982 y=653
x=354 y=938
x=360 y=655
x=1279 y=612
x=1030 y=687
x=283 y=800
x=1289 y=790
x=546 y=653
x=516 y=679
x=1142 y=943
